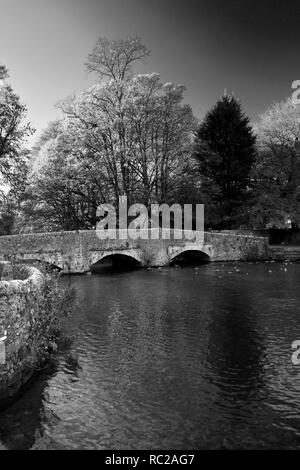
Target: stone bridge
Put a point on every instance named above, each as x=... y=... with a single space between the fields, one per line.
x=78 y=251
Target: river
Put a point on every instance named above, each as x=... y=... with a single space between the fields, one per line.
x=173 y=358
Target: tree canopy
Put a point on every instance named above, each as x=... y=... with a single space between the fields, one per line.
x=128 y=134
x=132 y=135
x=277 y=167
x=14 y=155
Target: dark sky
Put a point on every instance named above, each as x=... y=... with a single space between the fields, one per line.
x=248 y=47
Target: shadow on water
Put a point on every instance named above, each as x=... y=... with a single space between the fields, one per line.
x=237 y=347
x=22 y=422
x=236 y=366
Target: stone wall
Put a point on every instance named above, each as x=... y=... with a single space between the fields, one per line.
x=229 y=246
x=19 y=310
x=276 y=236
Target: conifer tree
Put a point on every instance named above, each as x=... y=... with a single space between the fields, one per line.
x=225 y=151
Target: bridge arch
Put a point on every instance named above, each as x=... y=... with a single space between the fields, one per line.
x=189 y=256
x=50 y=262
x=116 y=260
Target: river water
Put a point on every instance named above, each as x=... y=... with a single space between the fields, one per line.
x=175 y=358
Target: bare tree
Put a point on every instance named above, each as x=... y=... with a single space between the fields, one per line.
x=114 y=59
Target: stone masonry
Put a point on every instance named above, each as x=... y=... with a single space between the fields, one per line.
x=19 y=309
x=76 y=251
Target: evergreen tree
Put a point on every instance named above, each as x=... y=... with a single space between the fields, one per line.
x=225 y=151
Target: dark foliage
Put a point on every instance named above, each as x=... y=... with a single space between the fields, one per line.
x=225 y=150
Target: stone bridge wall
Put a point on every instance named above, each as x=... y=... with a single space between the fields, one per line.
x=19 y=310
x=76 y=251
x=226 y=247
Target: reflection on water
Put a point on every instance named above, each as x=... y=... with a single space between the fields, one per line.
x=192 y=358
